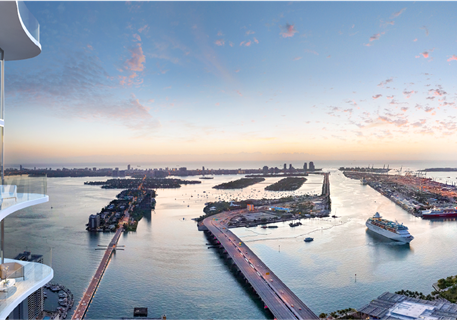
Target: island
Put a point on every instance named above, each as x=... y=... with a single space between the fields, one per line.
x=148 y=183
x=286 y=184
x=239 y=184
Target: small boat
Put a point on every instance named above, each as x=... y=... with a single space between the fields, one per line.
x=264 y=227
x=308 y=239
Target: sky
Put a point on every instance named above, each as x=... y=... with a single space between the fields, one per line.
x=166 y=81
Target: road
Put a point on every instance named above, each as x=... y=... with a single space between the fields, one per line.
x=83 y=304
x=281 y=301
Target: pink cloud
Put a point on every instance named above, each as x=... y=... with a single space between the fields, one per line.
x=237 y=70
x=289 y=31
x=169 y=87
x=242 y=42
x=408 y=94
x=415 y=40
x=437 y=92
x=137 y=37
x=297 y=58
x=397 y=14
x=390 y=97
x=142 y=28
x=135 y=63
x=217 y=104
x=256 y=41
x=454 y=57
x=376 y=36
x=311 y=51
x=220 y=42
x=231 y=43
x=219 y=34
x=91 y=48
x=425 y=54
x=249 y=32
x=239 y=93
x=248 y=43
x=428 y=109
x=377 y=96
x=151 y=100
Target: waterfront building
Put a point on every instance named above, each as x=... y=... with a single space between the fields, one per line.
x=265 y=170
x=396 y=306
x=20 y=279
x=305 y=167
x=311 y=166
x=94 y=221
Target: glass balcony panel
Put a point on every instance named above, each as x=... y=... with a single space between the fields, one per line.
x=18 y=189
x=29 y=20
x=18 y=280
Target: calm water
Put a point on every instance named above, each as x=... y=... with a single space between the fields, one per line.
x=167 y=267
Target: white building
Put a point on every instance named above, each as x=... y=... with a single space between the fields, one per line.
x=19 y=40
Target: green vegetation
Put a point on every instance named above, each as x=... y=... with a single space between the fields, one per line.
x=148 y=183
x=449 y=288
x=416 y=294
x=323 y=315
x=286 y=184
x=341 y=314
x=239 y=184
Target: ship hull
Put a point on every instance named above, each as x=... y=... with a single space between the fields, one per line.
x=388 y=234
x=439 y=216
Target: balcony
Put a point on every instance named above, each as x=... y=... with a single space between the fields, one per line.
x=20 y=36
x=19 y=280
x=21 y=191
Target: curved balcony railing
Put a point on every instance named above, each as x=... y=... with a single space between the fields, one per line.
x=21 y=191
x=29 y=21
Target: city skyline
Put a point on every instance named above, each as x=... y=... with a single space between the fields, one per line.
x=235 y=81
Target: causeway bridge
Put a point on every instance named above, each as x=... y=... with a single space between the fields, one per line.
x=276 y=296
x=88 y=295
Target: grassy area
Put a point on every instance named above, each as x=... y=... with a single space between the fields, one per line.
x=449 y=287
x=239 y=184
x=286 y=184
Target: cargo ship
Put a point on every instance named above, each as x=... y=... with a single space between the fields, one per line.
x=442 y=213
x=389 y=229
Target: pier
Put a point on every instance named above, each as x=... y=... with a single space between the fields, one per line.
x=88 y=295
x=276 y=296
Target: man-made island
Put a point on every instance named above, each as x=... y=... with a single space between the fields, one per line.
x=239 y=184
x=286 y=184
x=148 y=183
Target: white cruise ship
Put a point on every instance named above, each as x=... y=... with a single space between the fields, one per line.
x=389 y=229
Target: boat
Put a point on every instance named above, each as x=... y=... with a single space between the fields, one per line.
x=441 y=213
x=206 y=178
x=389 y=229
x=272 y=227
x=363 y=181
x=308 y=239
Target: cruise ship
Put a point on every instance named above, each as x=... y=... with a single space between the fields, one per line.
x=442 y=213
x=389 y=229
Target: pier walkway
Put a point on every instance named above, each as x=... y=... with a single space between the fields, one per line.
x=276 y=296
x=83 y=305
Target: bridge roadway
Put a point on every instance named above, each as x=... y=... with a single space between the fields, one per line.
x=281 y=301
x=83 y=305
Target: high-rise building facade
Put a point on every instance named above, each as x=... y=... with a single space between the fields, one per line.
x=19 y=279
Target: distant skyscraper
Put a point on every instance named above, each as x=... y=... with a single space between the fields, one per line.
x=128 y=167
x=20 y=167
x=285 y=166
x=290 y=167
x=265 y=170
x=311 y=166
x=305 y=167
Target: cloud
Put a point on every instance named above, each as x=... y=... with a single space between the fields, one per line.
x=242 y=42
x=79 y=88
x=231 y=43
x=377 y=96
x=239 y=93
x=297 y=58
x=425 y=54
x=217 y=104
x=169 y=87
x=140 y=30
x=404 y=109
x=151 y=100
x=248 y=43
x=137 y=37
x=390 y=97
x=220 y=42
x=376 y=36
x=428 y=109
x=256 y=41
x=289 y=31
x=408 y=94
x=91 y=48
x=249 y=32
x=454 y=57
x=437 y=92
x=383 y=83
x=399 y=122
x=425 y=29
x=237 y=70
x=220 y=34
x=311 y=51
x=415 y=40
x=329 y=56
x=397 y=14
x=137 y=60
